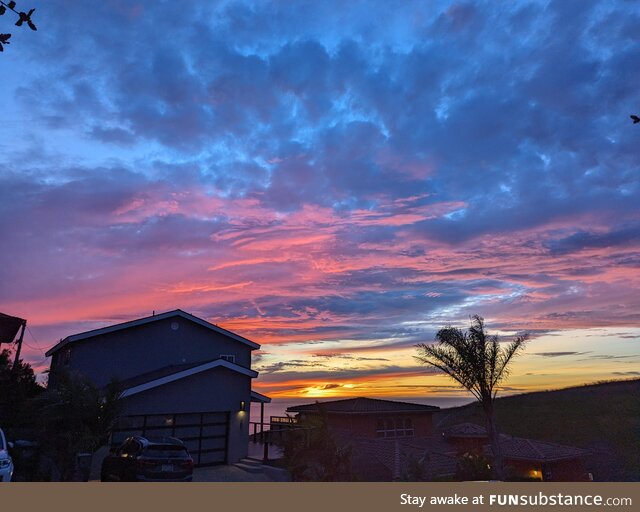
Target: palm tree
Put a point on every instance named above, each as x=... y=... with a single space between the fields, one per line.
x=477 y=362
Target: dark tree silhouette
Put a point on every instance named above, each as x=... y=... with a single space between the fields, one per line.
x=75 y=416
x=477 y=362
x=23 y=17
x=311 y=453
x=17 y=386
x=635 y=118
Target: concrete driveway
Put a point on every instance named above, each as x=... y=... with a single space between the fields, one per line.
x=245 y=471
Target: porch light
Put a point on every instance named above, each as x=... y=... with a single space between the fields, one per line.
x=242 y=405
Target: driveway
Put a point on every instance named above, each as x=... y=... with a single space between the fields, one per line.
x=245 y=471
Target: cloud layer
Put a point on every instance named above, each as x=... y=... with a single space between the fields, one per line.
x=343 y=180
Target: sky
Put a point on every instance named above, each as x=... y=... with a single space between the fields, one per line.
x=333 y=180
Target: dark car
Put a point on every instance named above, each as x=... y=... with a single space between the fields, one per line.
x=148 y=460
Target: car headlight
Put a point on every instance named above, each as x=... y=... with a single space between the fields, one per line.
x=5 y=463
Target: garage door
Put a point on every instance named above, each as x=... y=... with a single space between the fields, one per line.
x=205 y=434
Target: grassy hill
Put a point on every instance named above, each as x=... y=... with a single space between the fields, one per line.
x=602 y=417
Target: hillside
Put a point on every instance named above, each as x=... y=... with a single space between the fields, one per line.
x=603 y=417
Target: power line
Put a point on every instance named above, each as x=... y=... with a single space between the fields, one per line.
x=37 y=347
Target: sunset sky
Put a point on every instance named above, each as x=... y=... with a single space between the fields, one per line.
x=333 y=180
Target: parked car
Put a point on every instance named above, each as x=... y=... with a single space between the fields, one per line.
x=6 y=464
x=150 y=460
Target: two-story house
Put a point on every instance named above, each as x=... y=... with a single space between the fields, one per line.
x=179 y=375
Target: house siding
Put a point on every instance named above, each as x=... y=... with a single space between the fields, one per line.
x=129 y=352
x=218 y=389
x=365 y=424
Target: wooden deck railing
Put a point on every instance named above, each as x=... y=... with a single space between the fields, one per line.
x=274 y=432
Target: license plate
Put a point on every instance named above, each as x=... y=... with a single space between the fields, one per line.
x=167 y=467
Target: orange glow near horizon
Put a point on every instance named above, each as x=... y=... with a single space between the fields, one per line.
x=337 y=319
x=335 y=192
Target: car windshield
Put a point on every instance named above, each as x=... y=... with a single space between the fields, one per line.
x=165 y=451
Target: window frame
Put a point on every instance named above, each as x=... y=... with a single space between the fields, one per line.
x=395 y=426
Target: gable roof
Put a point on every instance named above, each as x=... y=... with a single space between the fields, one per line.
x=362 y=405
x=173 y=373
x=146 y=320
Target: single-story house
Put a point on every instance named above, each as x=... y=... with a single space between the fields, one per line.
x=179 y=375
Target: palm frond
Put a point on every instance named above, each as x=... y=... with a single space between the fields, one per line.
x=474 y=359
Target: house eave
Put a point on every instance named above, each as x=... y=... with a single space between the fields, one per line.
x=147 y=320
x=259 y=397
x=187 y=373
x=360 y=413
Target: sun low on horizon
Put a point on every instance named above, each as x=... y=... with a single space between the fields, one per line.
x=334 y=181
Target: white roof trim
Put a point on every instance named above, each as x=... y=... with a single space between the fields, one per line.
x=146 y=320
x=186 y=373
x=259 y=397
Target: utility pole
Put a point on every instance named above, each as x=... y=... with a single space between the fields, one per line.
x=19 y=342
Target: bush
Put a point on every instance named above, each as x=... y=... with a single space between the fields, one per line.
x=473 y=466
x=312 y=455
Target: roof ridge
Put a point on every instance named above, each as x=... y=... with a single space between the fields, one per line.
x=534 y=448
x=145 y=320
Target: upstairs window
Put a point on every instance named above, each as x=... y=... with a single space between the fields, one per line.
x=394 y=427
x=228 y=357
x=408 y=427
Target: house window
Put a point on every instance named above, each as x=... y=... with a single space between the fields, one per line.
x=408 y=427
x=228 y=357
x=394 y=427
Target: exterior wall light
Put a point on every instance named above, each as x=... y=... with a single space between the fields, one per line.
x=242 y=405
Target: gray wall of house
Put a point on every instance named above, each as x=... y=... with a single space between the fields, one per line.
x=218 y=389
x=129 y=352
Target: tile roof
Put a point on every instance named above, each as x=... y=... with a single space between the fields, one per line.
x=394 y=455
x=465 y=430
x=541 y=451
x=516 y=447
x=363 y=405
x=385 y=459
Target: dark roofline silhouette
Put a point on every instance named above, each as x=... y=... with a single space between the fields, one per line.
x=363 y=405
x=148 y=319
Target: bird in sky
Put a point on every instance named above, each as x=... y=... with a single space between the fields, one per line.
x=635 y=119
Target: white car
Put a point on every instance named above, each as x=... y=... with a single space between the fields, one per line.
x=6 y=464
